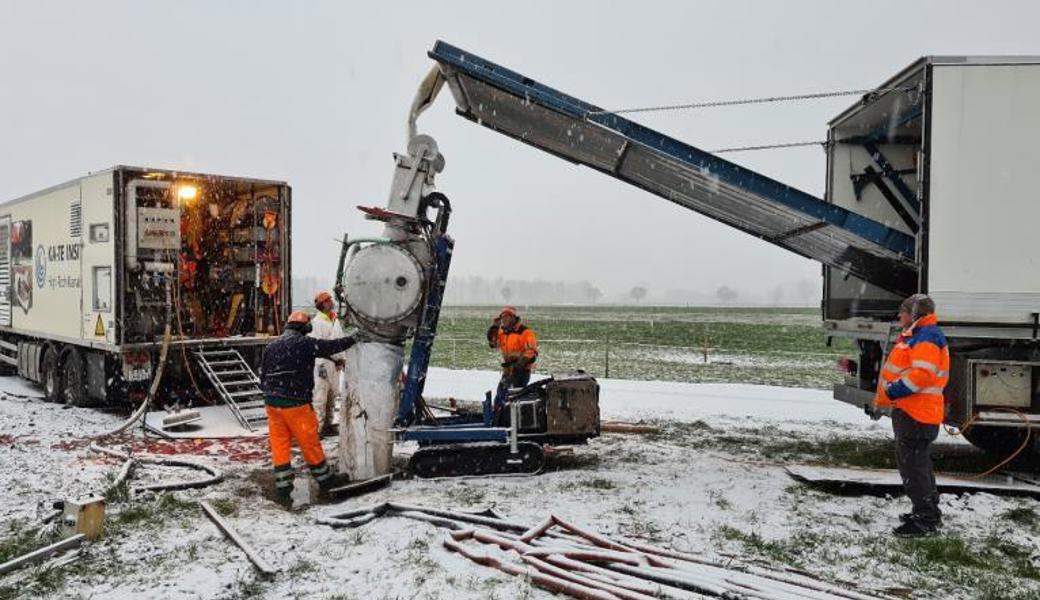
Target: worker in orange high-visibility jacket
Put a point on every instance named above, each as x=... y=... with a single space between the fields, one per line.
x=287 y=380
x=519 y=348
x=911 y=382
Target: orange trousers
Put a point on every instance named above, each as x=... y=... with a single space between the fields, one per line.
x=297 y=423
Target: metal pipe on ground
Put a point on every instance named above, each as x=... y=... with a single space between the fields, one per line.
x=553 y=584
x=255 y=558
x=598 y=567
x=42 y=553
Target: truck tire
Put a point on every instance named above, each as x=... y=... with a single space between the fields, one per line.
x=1000 y=442
x=75 y=393
x=51 y=376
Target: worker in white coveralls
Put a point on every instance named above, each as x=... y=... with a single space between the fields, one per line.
x=328 y=372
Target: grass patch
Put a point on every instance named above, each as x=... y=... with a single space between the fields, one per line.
x=225 y=507
x=990 y=567
x=787 y=551
x=18 y=541
x=466 y=496
x=772 y=443
x=248 y=586
x=778 y=346
x=594 y=483
x=1022 y=515
x=152 y=514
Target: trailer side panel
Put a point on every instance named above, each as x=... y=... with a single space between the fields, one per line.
x=984 y=261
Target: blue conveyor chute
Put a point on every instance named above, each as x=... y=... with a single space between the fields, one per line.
x=577 y=131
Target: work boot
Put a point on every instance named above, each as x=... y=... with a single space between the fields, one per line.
x=916 y=528
x=284 y=500
x=906 y=517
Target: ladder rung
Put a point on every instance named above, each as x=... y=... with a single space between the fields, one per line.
x=208 y=352
x=252 y=382
x=238 y=372
x=245 y=393
x=220 y=363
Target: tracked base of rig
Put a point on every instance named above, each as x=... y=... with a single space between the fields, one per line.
x=458 y=460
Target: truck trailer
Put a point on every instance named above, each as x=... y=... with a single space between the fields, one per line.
x=949 y=161
x=93 y=271
x=929 y=189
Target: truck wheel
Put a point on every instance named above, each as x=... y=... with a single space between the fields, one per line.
x=75 y=379
x=52 y=380
x=1001 y=442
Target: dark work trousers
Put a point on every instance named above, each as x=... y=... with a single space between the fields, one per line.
x=913 y=440
x=515 y=378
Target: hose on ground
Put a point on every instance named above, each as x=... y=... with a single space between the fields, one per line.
x=215 y=476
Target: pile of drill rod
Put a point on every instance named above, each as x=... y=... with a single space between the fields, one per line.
x=564 y=558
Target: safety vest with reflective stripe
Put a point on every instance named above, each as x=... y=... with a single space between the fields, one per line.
x=519 y=344
x=916 y=372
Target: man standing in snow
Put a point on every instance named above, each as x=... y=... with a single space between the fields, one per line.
x=519 y=348
x=287 y=380
x=328 y=372
x=912 y=382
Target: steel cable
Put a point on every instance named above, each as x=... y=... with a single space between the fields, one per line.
x=747 y=101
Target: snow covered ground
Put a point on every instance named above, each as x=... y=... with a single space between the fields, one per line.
x=711 y=482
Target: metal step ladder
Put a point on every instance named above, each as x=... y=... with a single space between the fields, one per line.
x=236 y=383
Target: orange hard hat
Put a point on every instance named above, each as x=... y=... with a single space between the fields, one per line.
x=507 y=310
x=299 y=316
x=322 y=297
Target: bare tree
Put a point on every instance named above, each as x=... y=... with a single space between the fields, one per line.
x=726 y=294
x=637 y=293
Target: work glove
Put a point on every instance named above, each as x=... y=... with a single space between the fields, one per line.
x=872 y=411
x=492 y=335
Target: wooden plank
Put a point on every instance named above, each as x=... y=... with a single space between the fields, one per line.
x=881 y=481
x=42 y=553
x=258 y=561
x=357 y=488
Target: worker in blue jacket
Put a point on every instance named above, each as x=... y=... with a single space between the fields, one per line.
x=287 y=380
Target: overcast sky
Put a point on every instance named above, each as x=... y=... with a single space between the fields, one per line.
x=316 y=93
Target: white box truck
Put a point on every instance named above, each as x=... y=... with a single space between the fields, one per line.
x=951 y=163
x=92 y=270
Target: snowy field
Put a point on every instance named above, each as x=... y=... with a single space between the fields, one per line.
x=711 y=482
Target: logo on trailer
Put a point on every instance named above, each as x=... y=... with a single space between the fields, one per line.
x=41 y=266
